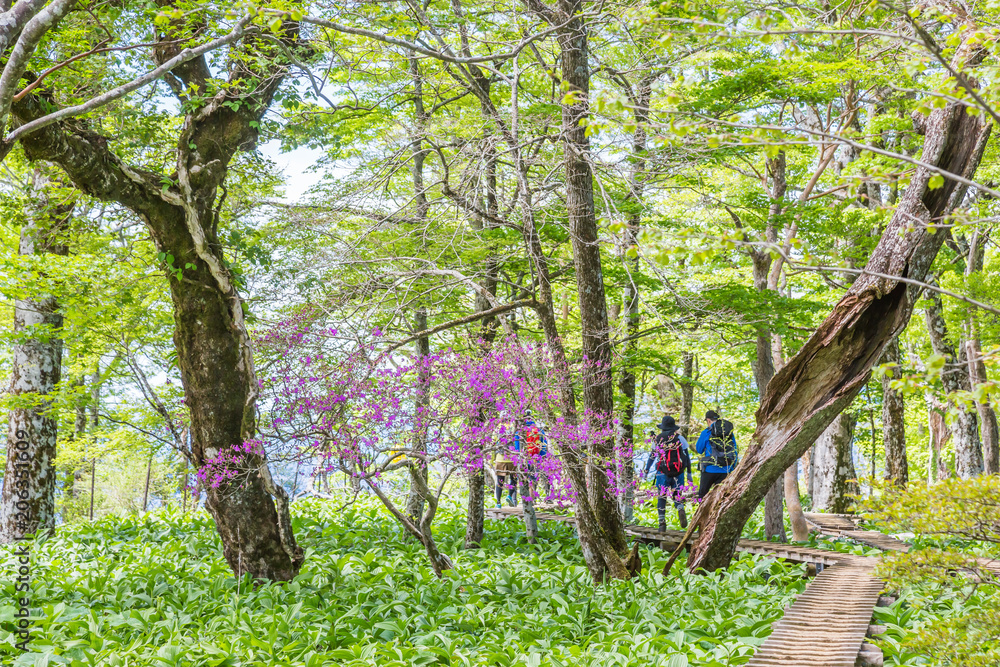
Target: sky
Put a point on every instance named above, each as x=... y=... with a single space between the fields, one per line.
x=294 y=166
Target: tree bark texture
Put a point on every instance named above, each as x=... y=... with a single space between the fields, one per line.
x=955 y=378
x=687 y=381
x=831 y=368
x=800 y=529
x=29 y=484
x=599 y=552
x=598 y=396
x=893 y=425
x=599 y=520
x=475 y=509
x=630 y=292
x=415 y=499
x=835 y=473
x=764 y=361
x=528 y=504
x=213 y=348
x=989 y=429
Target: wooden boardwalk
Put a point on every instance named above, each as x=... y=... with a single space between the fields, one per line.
x=669 y=539
x=847 y=525
x=826 y=625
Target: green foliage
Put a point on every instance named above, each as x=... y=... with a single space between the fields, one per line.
x=947 y=611
x=956 y=513
x=155 y=591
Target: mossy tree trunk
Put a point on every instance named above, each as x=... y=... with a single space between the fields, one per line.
x=210 y=335
x=893 y=425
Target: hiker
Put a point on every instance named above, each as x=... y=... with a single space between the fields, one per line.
x=506 y=469
x=670 y=452
x=717 y=445
x=535 y=447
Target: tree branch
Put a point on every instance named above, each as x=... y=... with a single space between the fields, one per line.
x=187 y=54
x=524 y=303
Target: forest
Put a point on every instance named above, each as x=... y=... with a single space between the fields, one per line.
x=527 y=333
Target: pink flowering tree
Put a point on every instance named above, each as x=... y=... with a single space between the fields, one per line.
x=354 y=409
x=344 y=404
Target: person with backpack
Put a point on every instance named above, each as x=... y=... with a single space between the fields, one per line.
x=670 y=453
x=717 y=445
x=506 y=469
x=532 y=435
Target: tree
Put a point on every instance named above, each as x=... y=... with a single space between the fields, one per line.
x=955 y=378
x=222 y=117
x=29 y=483
x=835 y=363
x=835 y=476
x=599 y=520
x=893 y=427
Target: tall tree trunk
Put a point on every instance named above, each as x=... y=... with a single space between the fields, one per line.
x=214 y=354
x=251 y=511
x=977 y=368
x=955 y=378
x=599 y=547
x=475 y=508
x=835 y=363
x=835 y=473
x=415 y=499
x=630 y=292
x=687 y=392
x=599 y=520
x=766 y=359
x=893 y=426
x=29 y=483
x=598 y=397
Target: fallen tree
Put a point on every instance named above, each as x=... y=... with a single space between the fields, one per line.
x=835 y=363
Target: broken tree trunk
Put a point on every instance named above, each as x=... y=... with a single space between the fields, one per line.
x=835 y=363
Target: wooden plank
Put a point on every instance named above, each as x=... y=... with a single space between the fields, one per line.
x=826 y=625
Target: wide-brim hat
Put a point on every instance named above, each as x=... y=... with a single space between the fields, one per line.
x=667 y=422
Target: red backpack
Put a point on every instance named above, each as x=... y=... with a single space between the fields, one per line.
x=670 y=461
x=532 y=440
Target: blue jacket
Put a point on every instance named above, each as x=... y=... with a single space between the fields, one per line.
x=704 y=448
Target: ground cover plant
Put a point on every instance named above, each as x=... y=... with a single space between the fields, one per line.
x=154 y=591
x=288 y=287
